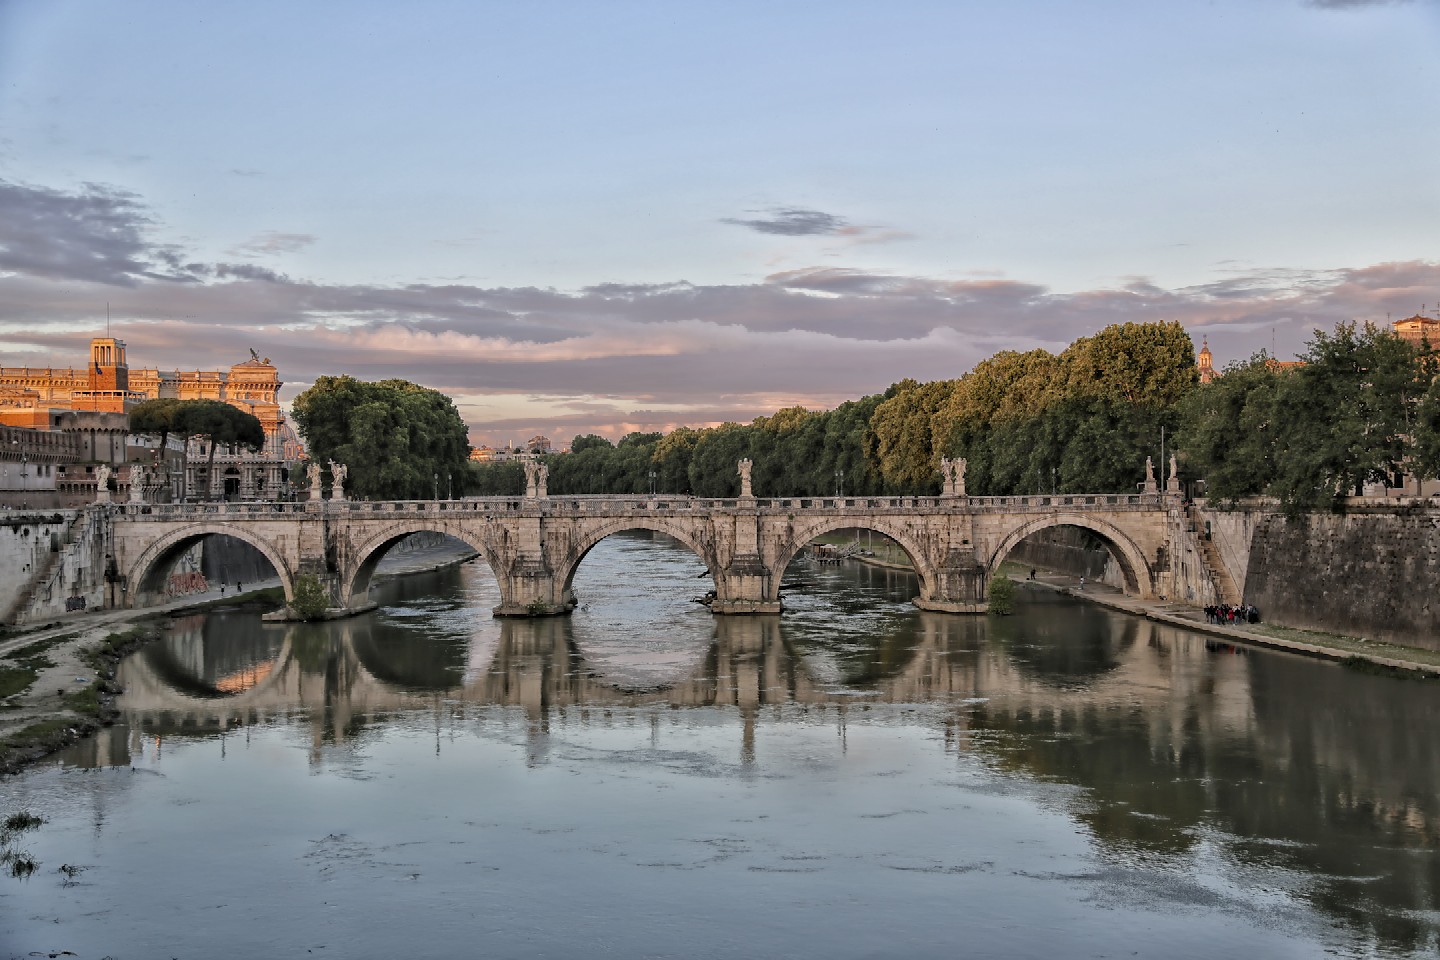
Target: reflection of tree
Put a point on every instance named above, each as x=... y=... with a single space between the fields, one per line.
x=1329 y=781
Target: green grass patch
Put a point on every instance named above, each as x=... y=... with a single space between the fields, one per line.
x=15 y=680
x=39 y=647
x=271 y=595
x=85 y=701
x=47 y=733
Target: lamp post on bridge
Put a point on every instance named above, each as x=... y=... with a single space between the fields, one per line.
x=839 y=483
x=437 y=486
x=652 y=483
x=449 y=485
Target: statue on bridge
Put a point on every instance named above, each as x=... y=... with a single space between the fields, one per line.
x=338 y=473
x=1150 y=485
x=743 y=468
x=312 y=472
x=952 y=474
x=1173 y=484
x=536 y=475
x=137 y=483
x=102 y=484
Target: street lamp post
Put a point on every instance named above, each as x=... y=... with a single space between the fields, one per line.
x=449 y=485
x=652 y=483
x=437 y=486
x=839 y=483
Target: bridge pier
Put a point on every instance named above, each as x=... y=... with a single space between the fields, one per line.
x=961 y=584
x=744 y=588
x=530 y=589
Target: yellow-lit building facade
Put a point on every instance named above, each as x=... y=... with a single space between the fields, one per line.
x=35 y=400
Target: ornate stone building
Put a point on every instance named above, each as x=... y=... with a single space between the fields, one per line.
x=92 y=402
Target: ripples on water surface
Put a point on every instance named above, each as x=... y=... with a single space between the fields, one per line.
x=854 y=778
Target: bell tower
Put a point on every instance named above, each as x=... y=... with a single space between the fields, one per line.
x=108 y=369
x=1207 y=370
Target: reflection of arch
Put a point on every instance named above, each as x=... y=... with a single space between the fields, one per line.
x=172 y=674
x=372 y=551
x=1132 y=562
x=148 y=571
x=803 y=535
x=595 y=535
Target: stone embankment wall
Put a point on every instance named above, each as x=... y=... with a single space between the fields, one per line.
x=1366 y=573
x=50 y=561
x=230 y=561
x=1073 y=551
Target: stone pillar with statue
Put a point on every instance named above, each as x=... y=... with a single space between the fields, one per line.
x=338 y=473
x=312 y=473
x=102 y=483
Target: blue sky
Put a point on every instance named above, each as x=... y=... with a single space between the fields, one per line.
x=603 y=216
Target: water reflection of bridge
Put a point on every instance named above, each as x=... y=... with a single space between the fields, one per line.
x=338 y=675
x=1167 y=738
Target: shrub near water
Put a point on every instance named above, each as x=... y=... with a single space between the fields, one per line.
x=311 y=598
x=1002 y=595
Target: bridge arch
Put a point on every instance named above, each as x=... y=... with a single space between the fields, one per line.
x=145 y=577
x=591 y=536
x=1139 y=579
x=803 y=533
x=355 y=582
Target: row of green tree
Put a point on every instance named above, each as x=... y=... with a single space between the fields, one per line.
x=1025 y=423
x=1362 y=406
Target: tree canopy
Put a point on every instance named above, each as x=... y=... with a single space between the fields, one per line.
x=1363 y=405
x=399 y=440
x=1360 y=408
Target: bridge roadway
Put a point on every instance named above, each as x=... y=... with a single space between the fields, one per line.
x=534 y=545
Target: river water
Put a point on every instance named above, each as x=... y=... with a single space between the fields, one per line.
x=854 y=778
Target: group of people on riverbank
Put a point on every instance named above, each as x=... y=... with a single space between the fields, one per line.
x=1231 y=614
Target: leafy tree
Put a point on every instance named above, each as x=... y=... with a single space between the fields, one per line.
x=399 y=440
x=157 y=418
x=1001 y=594
x=1347 y=417
x=904 y=449
x=672 y=460
x=589 y=441
x=495 y=479
x=1229 y=429
x=311 y=599
x=221 y=425
x=712 y=462
x=218 y=423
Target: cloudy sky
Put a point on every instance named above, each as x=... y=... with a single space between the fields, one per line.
x=608 y=215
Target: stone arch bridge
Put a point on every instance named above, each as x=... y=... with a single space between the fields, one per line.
x=534 y=545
